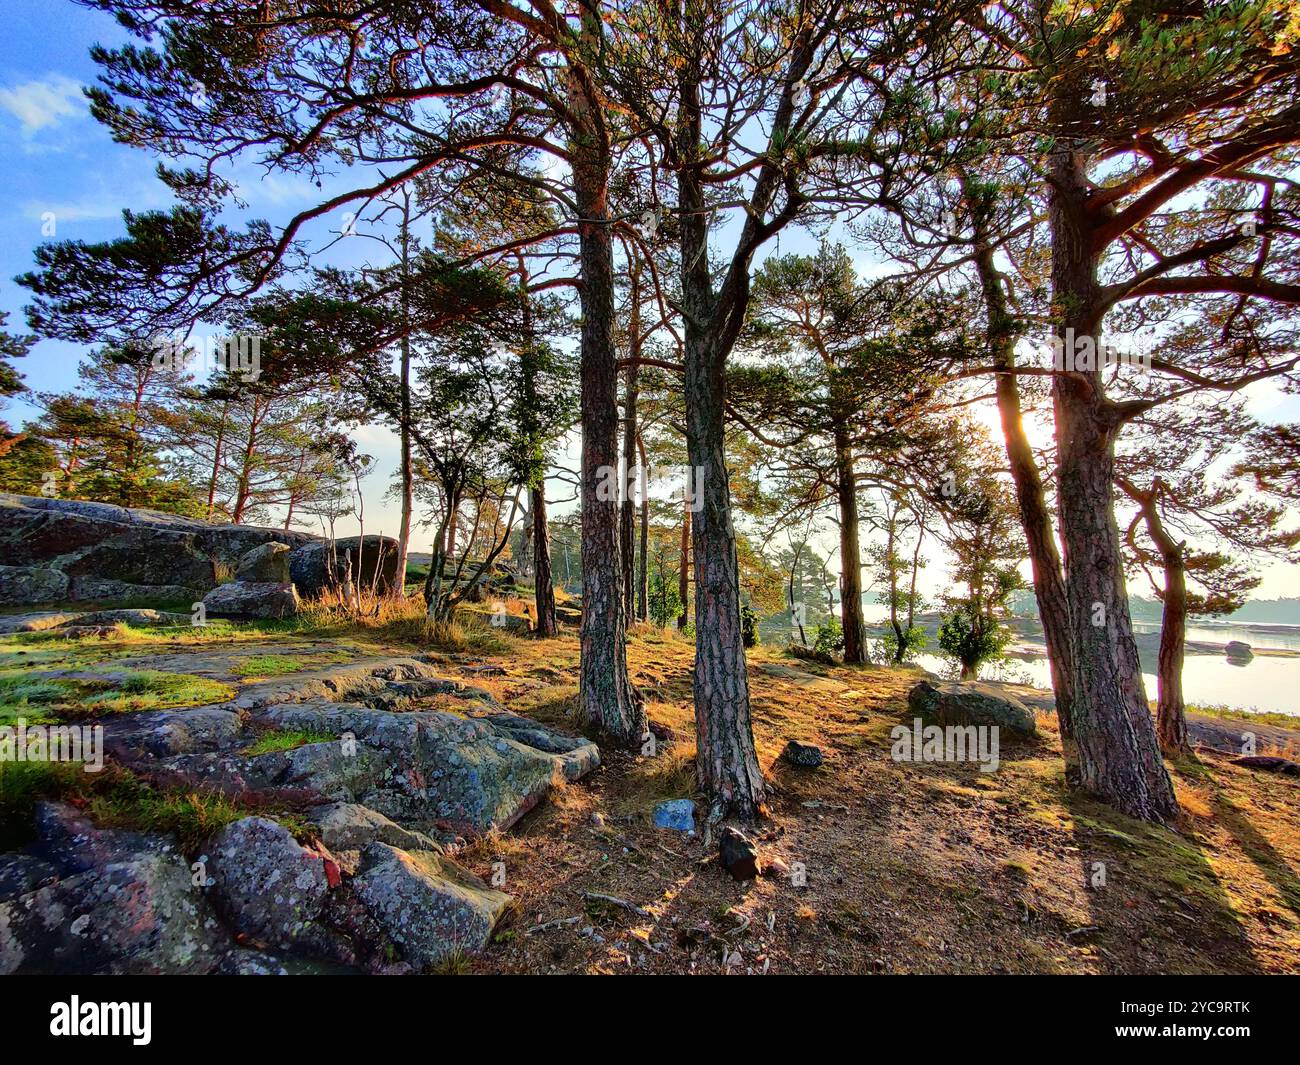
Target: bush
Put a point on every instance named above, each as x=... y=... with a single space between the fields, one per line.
x=664 y=604
x=972 y=639
x=828 y=639
x=748 y=625
x=914 y=640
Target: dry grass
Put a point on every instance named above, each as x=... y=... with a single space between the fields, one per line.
x=910 y=867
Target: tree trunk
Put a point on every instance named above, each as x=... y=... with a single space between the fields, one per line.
x=642 y=572
x=407 y=480
x=607 y=696
x=543 y=583
x=855 y=643
x=1119 y=756
x=216 y=460
x=627 y=511
x=684 y=571
x=1035 y=518
x=1171 y=716
x=726 y=762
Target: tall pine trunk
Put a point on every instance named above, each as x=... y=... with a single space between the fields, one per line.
x=627 y=507
x=537 y=532
x=726 y=762
x=543 y=583
x=684 y=569
x=846 y=489
x=405 y=474
x=1035 y=518
x=606 y=693
x=642 y=570
x=1119 y=756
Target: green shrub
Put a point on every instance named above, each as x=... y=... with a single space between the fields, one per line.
x=914 y=640
x=972 y=639
x=828 y=639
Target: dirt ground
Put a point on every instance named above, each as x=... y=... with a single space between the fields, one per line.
x=907 y=867
x=910 y=867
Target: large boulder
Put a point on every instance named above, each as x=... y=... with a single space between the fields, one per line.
x=430 y=907
x=971 y=703
x=267 y=562
x=266 y=883
x=137 y=915
x=87 y=899
x=251 y=599
x=430 y=770
x=309 y=564
x=58 y=550
x=1237 y=651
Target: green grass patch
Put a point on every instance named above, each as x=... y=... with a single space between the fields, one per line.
x=278 y=665
x=286 y=740
x=38 y=698
x=117 y=798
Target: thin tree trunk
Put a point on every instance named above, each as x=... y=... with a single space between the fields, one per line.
x=627 y=511
x=1119 y=755
x=606 y=696
x=407 y=479
x=855 y=642
x=543 y=583
x=216 y=460
x=684 y=570
x=643 y=573
x=1035 y=518
x=1171 y=714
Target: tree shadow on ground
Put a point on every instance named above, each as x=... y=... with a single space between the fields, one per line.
x=1154 y=896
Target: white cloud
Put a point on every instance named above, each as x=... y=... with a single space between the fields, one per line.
x=37 y=104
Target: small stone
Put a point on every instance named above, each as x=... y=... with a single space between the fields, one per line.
x=802 y=754
x=677 y=814
x=739 y=856
x=775 y=868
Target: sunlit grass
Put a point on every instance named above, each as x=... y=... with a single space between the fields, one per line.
x=39 y=698
x=286 y=740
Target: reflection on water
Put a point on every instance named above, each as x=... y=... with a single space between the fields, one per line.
x=1285 y=637
x=1271 y=684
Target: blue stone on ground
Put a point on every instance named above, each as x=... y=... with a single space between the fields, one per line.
x=677 y=814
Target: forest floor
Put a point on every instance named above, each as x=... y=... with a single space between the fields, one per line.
x=910 y=867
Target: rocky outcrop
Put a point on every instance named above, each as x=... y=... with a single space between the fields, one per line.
x=971 y=703
x=309 y=565
x=430 y=907
x=251 y=600
x=361 y=876
x=60 y=549
x=113 y=902
x=266 y=884
x=261 y=588
x=65 y=550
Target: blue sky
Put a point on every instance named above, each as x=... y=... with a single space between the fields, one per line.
x=58 y=161
x=55 y=160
